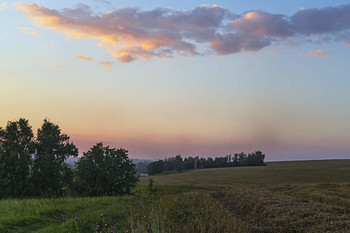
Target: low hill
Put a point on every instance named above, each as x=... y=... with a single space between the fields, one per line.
x=294 y=172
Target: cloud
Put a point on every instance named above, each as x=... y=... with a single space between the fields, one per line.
x=277 y=53
x=322 y=21
x=259 y=23
x=104 y=2
x=317 y=53
x=85 y=58
x=29 y=31
x=130 y=34
x=53 y=66
x=107 y=64
x=3 y=5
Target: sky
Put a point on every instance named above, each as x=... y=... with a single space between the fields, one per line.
x=164 y=77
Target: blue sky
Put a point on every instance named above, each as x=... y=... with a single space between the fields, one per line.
x=284 y=92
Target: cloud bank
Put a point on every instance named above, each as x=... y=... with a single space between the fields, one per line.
x=130 y=33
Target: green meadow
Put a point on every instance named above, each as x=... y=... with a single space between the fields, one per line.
x=302 y=196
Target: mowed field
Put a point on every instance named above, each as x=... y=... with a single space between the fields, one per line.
x=275 y=173
x=302 y=196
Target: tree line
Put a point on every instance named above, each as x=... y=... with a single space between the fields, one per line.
x=178 y=163
x=35 y=166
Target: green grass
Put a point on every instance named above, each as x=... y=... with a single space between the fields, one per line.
x=183 y=212
x=58 y=215
x=303 y=196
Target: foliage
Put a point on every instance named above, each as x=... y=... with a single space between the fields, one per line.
x=105 y=171
x=16 y=148
x=50 y=174
x=155 y=167
x=36 y=166
x=141 y=168
x=178 y=163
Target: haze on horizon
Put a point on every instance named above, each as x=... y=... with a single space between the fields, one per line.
x=161 y=78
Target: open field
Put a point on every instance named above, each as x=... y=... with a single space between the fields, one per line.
x=304 y=196
x=300 y=196
x=275 y=173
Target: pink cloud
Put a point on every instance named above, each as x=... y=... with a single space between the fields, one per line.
x=84 y=58
x=258 y=23
x=107 y=64
x=317 y=53
x=53 y=66
x=130 y=34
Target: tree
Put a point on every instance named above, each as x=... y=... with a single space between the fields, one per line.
x=105 y=171
x=141 y=168
x=16 y=149
x=155 y=167
x=189 y=163
x=242 y=159
x=51 y=176
x=258 y=158
x=178 y=162
x=169 y=164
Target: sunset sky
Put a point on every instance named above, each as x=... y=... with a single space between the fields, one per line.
x=166 y=77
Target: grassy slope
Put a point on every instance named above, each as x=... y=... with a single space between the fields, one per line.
x=58 y=215
x=275 y=173
x=305 y=196
x=165 y=209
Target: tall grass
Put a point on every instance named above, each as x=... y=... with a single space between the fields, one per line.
x=64 y=215
x=184 y=212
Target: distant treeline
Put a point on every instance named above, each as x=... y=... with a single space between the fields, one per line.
x=36 y=166
x=178 y=163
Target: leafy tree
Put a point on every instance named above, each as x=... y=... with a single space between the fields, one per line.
x=260 y=157
x=141 y=167
x=105 y=171
x=51 y=176
x=210 y=162
x=169 y=164
x=4 y=181
x=155 y=167
x=16 y=148
x=178 y=162
x=242 y=159
x=235 y=161
x=189 y=163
